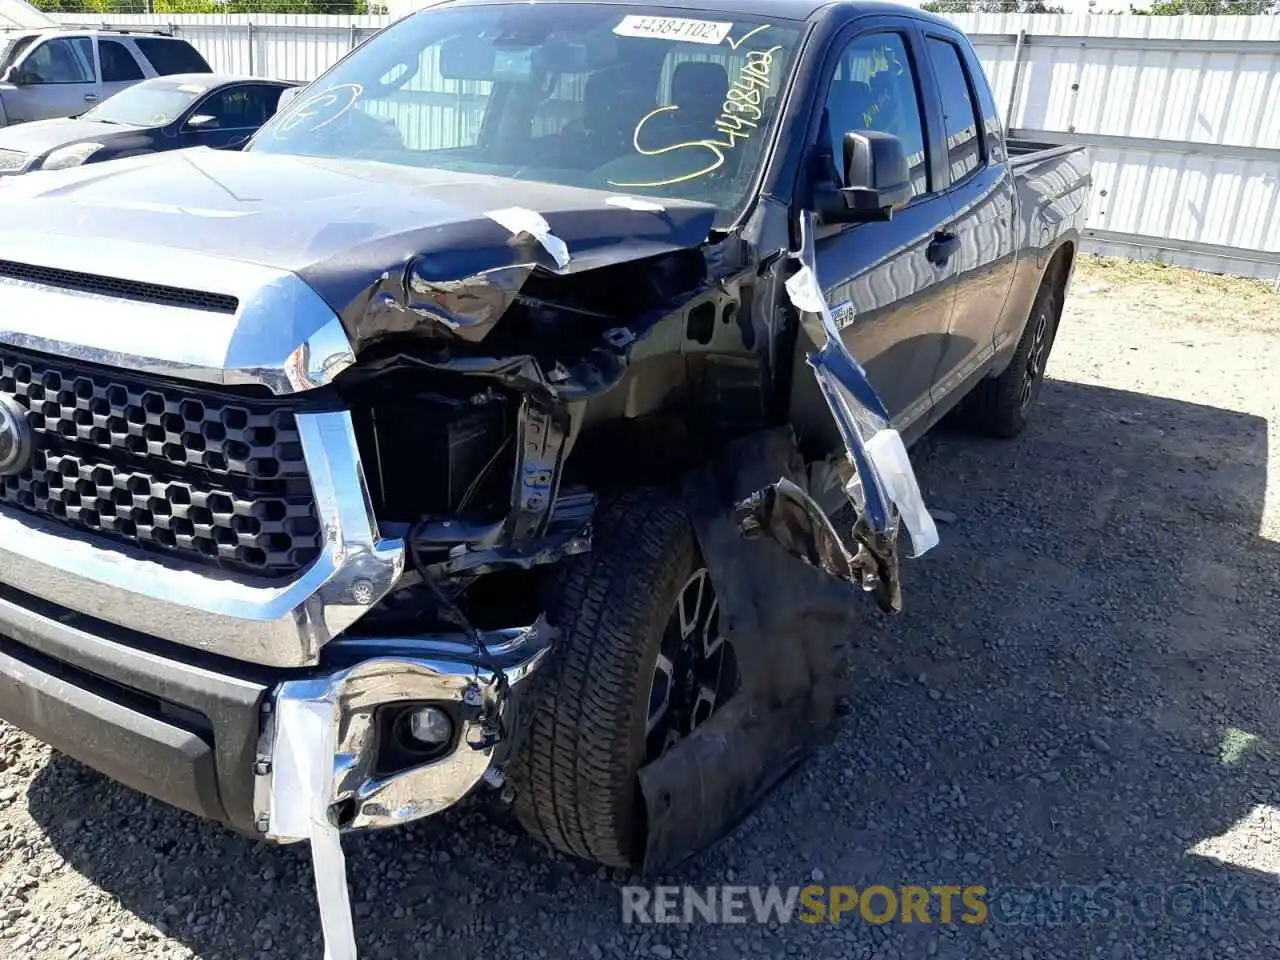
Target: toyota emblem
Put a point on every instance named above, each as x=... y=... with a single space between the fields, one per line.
x=17 y=441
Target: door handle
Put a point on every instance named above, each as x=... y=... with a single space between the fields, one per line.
x=90 y=98
x=944 y=244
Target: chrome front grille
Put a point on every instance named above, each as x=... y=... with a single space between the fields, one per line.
x=211 y=478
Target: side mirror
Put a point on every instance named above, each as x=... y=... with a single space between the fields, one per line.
x=202 y=121
x=877 y=180
x=17 y=76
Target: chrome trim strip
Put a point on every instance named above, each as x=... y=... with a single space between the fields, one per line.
x=283 y=336
x=278 y=625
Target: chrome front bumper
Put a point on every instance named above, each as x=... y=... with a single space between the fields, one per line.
x=272 y=625
x=481 y=694
x=205 y=740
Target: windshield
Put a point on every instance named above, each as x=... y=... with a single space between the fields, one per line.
x=151 y=103
x=625 y=99
x=10 y=50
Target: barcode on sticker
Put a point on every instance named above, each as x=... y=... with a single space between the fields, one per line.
x=673 y=28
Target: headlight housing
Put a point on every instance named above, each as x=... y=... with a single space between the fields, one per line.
x=70 y=156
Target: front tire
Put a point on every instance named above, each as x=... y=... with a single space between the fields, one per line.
x=631 y=613
x=1001 y=407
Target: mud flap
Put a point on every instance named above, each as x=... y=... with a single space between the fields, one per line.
x=787 y=623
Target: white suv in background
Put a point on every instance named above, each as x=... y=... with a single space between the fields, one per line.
x=61 y=72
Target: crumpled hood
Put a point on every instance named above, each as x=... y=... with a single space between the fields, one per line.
x=41 y=136
x=339 y=225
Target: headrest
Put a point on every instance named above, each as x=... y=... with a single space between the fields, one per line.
x=698 y=84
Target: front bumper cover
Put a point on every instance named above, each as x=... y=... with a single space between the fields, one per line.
x=200 y=736
x=479 y=690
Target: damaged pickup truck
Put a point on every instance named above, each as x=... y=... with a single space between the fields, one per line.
x=529 y=399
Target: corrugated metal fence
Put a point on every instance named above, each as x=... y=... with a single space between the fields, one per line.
x=1182 y=113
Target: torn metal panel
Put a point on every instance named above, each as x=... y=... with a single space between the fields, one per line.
x=883 y=491
x=468 y=308
x=540 y=447
x=787 y=623
x=445 y=548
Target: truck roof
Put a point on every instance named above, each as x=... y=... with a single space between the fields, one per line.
x=88 y=29
x=775 y=9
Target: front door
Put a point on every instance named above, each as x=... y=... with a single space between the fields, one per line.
x=889 y=285
x=58 y=79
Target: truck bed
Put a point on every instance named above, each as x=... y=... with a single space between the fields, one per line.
x=1023 y=152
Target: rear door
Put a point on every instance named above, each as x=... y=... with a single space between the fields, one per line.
x=118 y=66
x=981 y=190
x=59 y=79
x=889 y=291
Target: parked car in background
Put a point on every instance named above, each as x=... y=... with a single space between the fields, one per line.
x=163 y=113
x=60 y=71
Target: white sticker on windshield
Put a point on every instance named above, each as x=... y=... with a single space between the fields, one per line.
x=673 y=28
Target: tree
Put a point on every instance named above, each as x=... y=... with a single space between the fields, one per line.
x=203 y=6
x=1208 y=8
x=990 y=6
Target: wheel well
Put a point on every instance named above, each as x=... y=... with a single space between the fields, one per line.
x=1060 y=267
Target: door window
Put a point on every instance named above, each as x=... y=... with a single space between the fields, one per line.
x=118 y=64
x=170 y=56
x=875 y=88
x=240 y=107
x=62 y=60
x=964 y=146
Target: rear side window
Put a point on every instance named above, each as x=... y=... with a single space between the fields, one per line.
x=117 y=62
x=172 y=56
x=874 y=88
x=964 y=147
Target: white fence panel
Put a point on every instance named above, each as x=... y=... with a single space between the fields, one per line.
x=1182 y=113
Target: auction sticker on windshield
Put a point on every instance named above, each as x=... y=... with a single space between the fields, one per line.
x=673 y=28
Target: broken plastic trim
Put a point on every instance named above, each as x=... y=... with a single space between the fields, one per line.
x=323 y=743
x=875 y=449
x=790 y=516
x=301 y=798
x=884 y=491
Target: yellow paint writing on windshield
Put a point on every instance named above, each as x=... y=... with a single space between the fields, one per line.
x=740 y=114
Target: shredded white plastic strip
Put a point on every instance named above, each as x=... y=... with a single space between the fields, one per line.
x=301 y=793
x=804 y=292
x=889 y=457
x=519 y=220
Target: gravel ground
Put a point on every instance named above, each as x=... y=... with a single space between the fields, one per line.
x=1081 y=691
